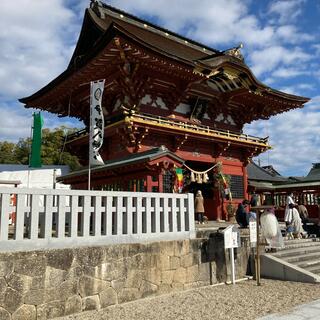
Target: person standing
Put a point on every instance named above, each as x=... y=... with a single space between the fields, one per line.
x=199 y=207
x=288 y=212
x=242 y=216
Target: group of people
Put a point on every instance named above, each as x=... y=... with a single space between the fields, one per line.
x=296 y=215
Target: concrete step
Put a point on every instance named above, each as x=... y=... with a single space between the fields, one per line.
x=303 y=257
x=299 y=260
x=300 y=243
x=296 y=251
x=310 y=265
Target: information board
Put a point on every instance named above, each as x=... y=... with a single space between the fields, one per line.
x=231 y=237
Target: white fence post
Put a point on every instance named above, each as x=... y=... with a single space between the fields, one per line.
x=51 y=218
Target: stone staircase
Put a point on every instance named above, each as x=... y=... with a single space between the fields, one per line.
x=299 y=261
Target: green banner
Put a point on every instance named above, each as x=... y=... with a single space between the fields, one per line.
x=35 y=159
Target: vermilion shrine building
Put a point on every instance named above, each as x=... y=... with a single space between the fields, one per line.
x=169 y=102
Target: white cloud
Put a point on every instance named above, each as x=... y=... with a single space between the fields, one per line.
x=268 y=59
x=35 y=44
x=294 y=136
x=287 y=10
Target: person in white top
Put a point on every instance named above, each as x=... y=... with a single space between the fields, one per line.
x=288 y=212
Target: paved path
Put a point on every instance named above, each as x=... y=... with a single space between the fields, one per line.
x=309 y=311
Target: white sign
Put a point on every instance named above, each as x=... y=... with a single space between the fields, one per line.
x=96 y=121
x=231 y=237
x=253 y=231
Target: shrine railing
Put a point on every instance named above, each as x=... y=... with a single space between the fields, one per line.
x=188 y=128
x=32 y=219
x=200 y=129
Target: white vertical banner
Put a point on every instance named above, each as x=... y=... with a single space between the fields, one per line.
x=96 y=122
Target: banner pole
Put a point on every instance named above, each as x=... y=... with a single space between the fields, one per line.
x=90 y=139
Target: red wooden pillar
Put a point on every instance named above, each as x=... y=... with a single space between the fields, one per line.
x=160 y=182
x=149 y=183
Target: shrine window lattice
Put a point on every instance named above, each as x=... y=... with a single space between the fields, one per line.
x=237 y=187
x=168 y=181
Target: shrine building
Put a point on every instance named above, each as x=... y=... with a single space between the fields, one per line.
x=174 y=110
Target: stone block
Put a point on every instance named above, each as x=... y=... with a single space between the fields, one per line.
x=6 y=268
x=68 y=289
x=38 y=283
x=12 y=300
x=181 y=247
x=4 y=314
x=128 y=294
x=180 y=275
x=53 y=309
x=57 y=259
x=163 y=262
x=187 y=260
x=19 y=282
x=134 y=278
x=91 y=256
x=153 y=275
x=104 y=271
x=3 y=286
x=177 y=286
x=204 y=272
x=34 y=297
x=25 y=312
x=73 y=305
x=167 y=277
x=147 y=289
x=108 y=297
x=89 y=286
x=192 y=274
x=167 y=248
x=33 y=265
x=118 y=284
x=91 y=303
x=54 y=277
x=174 y=263
x=164 y=288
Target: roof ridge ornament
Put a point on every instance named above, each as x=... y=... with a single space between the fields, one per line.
x=235 y=52
x=95 y=5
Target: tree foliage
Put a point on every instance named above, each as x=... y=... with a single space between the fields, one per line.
x=52 y=149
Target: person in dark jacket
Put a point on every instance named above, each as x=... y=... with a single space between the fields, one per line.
x=242 y=216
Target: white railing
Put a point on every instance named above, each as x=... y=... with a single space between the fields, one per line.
x=33 y=219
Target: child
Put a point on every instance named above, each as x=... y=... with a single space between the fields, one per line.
x=290 y=230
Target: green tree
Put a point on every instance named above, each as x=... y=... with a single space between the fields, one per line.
x=7 y=152
x=52 y=149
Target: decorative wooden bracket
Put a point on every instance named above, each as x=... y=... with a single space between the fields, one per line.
x=221 y=149
x=179 y=141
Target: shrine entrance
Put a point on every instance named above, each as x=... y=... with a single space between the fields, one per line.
x=209 y=187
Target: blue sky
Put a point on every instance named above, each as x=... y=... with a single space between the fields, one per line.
x=281 y=44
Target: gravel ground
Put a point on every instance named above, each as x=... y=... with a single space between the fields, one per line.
x=245 y=300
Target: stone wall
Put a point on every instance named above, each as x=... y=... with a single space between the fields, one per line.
x=47 y=284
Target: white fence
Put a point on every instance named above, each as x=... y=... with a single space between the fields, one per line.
x=33 y=219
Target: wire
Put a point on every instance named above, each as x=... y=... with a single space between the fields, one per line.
x=65 y=135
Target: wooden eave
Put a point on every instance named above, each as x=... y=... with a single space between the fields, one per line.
x=96 y=62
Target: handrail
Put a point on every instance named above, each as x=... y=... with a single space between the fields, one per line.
x=198 y=128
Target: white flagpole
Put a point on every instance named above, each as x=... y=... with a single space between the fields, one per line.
x=90 y=139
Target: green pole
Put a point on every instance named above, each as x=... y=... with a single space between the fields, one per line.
x=35 y=159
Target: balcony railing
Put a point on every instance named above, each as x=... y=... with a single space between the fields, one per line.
x=186 y=127
x=198 y=129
